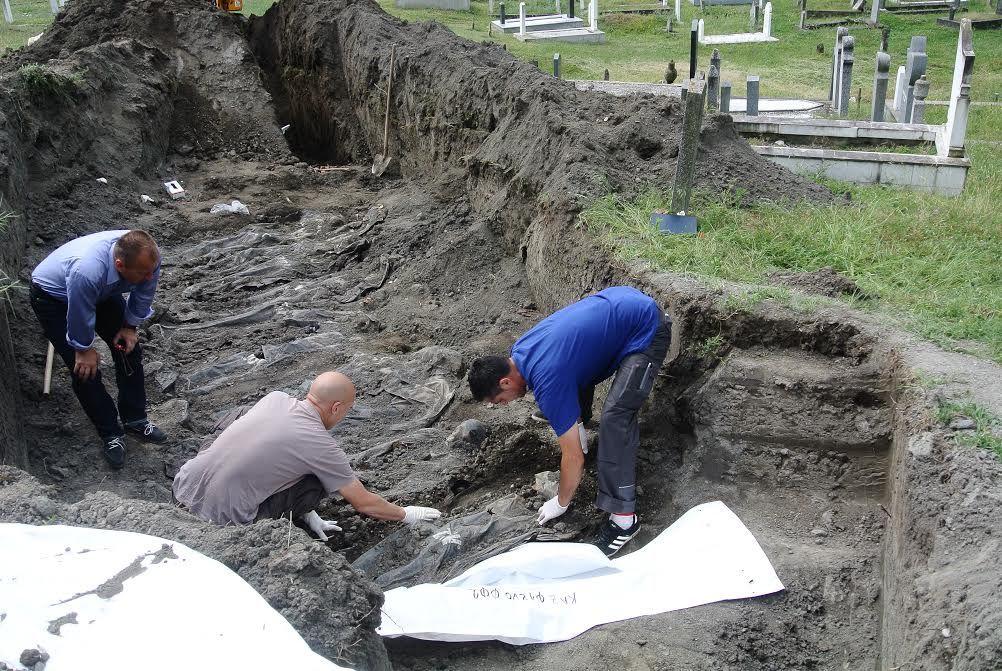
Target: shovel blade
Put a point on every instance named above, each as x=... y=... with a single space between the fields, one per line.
x=380 y=163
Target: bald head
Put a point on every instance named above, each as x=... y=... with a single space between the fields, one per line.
x=331 y=387
x=333 y=394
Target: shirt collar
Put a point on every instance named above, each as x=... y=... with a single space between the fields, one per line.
x=112 y=277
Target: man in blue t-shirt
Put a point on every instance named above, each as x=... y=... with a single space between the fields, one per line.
x=618 y=330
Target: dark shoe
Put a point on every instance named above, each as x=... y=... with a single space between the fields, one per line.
x=114 y=452
x=612 y=538
x=146 y=430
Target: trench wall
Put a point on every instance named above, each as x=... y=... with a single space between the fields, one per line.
x=529 y=152
x=12 y=446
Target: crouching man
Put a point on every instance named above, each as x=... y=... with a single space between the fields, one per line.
x=279 y=459
x=561 y=359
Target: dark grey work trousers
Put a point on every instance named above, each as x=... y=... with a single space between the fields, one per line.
x=619 y=432
x=299 y=499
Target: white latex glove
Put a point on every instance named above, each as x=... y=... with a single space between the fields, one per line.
x=551 y=510
x=583 y=437
x=319 y=526
x=415 y=514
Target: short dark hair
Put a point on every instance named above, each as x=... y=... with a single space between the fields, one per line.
x=130 y=246
x=485 y=375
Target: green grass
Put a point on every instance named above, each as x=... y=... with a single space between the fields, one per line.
x=44 y=82
x=708 y=347
x=31 y=17
x=931 y=260
x=983 y=435
x=637 y=48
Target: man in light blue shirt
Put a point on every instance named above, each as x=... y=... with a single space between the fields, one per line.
x=76 y=293
x=620 y=331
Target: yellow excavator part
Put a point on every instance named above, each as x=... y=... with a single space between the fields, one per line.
x=230 y=5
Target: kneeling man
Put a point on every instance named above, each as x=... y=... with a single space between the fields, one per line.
x=279 y=459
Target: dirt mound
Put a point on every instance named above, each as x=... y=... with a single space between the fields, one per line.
x=329 y=603
x=520 y=142
x=216 y=98
x=824 y=281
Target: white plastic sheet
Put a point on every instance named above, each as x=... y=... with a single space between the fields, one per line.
x=545 y=592
x=136 y=606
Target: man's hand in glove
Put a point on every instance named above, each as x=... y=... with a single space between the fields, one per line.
x=550 y=510
x=415 y=514
x=319 y=526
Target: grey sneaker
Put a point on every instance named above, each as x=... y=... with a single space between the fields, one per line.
x=114 y=452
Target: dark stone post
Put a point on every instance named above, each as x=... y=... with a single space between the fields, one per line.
x=688 y=149
x=693 y=48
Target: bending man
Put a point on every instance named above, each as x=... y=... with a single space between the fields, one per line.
x=279 y=459
x=77 y=292
x=619 y=330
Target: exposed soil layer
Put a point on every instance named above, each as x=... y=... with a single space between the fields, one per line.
x=883 y=529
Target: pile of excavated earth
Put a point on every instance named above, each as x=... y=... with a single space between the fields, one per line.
x=810 y=427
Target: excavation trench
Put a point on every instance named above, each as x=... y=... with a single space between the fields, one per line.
x=799 y=423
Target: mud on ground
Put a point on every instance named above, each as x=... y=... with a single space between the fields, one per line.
x=807 y=426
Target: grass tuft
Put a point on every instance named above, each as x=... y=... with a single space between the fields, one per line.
x=43 y=82
x=986 y=424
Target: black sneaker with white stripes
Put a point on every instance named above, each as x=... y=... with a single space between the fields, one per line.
x=114 y=451
x=613 y=537
x=146 y=430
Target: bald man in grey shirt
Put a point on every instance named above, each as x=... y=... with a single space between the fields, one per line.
x=280 y=459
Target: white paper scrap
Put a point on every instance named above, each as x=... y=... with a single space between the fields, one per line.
x=118 y=601
x=546 y=592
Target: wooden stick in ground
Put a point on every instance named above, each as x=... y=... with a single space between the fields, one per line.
x=382 y=161
x=389 y=95
x=48 y=369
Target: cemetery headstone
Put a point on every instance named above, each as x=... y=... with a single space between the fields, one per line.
x=713 y=81
x=918 y=105
x=840 y=32
x=915 y=66
x=955 y=130
x=875 y=13
x=521 y=18
x=885 y=38
x=605 y=75
x=751 y=95
x=767 y=20
x=845 y=80
x=556 y=66
x=880 y=86
x=725 y=97
x=8 y=16
x=753 y=18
